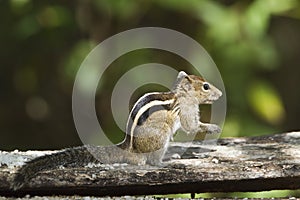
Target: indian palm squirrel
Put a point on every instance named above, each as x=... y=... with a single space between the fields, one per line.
x=152 y=122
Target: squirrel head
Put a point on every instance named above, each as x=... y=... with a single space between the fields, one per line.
x=195 y=88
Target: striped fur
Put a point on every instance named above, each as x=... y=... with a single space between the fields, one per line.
x=145 y=106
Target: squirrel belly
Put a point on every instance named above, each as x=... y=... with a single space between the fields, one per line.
x=151 y=124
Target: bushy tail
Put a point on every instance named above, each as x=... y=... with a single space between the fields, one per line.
x=72 y=157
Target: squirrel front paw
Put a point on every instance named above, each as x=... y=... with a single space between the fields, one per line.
x=213 y=129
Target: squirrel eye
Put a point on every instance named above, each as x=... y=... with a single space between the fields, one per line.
x=206 y=86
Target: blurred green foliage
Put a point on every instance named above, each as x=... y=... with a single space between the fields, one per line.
x=255 y=44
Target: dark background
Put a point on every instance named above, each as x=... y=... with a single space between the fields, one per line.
x=255 y=45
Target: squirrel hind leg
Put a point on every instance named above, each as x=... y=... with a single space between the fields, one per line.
x=134 y=158
x=155 y=158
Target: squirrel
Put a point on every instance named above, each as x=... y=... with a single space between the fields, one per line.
x=151 y=124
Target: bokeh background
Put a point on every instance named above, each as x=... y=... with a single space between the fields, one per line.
x=254 y=43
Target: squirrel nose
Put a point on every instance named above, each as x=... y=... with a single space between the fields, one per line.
x=220 y=93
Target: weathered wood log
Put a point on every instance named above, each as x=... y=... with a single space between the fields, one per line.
x=227 y=165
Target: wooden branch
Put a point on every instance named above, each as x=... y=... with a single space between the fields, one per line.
x=228 y=165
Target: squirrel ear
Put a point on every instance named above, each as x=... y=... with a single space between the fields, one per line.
x=181 y=75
